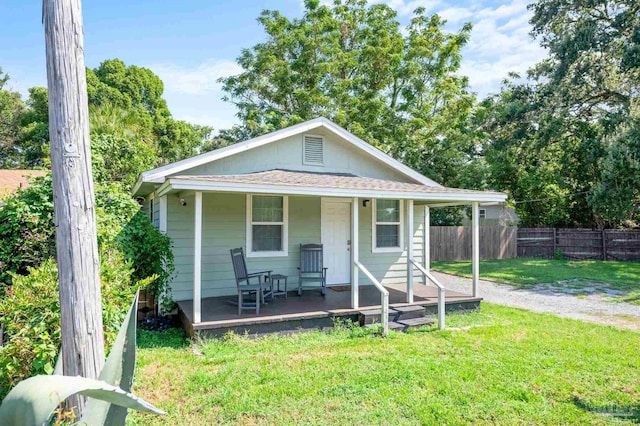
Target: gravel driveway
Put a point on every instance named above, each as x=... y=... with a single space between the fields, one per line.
x=591 y=308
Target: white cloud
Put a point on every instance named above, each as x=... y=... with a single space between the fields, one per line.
x=194 y=93
x=203 y=78
x=500 y=43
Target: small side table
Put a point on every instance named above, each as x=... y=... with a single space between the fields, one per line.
x=276 y=278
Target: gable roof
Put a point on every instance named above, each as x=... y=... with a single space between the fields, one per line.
x=158 y=175
x=12 y=180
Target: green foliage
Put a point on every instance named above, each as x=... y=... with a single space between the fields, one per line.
x=565 y=142
x=120 y=159
x=27 y=228
x=11 y=108
x=123 y=227
x=31 y=401
x=118 y=91
x=34 y=134
x=399 y=89
x=30 y=312
x=27 y=232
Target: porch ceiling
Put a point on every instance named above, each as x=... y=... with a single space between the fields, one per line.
x=324 y=184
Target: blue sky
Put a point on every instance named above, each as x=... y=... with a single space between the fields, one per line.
x=191 y=43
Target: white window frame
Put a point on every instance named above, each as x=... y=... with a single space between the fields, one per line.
x=304 y=149
x=284 y=223
x=374 y=223
x=482 y=213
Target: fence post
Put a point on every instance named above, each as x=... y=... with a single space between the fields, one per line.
x=555 y=242
x=604 y=245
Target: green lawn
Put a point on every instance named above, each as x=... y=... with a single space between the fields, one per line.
x=525 y=273
x=499 y=366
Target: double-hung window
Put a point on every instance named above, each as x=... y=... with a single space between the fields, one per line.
x=267 y=225
x=387 y=226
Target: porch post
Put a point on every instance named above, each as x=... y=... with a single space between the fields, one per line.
x=475 y=247
x=409 y=243
x=355 y=291
x=426 y=241
x=197 y=259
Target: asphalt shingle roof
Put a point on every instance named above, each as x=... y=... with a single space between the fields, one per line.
x=325 y=180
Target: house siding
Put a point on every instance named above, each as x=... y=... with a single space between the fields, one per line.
x=339 y=157
x=224 y=228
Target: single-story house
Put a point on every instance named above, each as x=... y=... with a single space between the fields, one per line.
x=313 y=182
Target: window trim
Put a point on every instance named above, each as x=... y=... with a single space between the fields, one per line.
x=374 y=223
x=284 y=223
x=304 y=149
x=482 y=213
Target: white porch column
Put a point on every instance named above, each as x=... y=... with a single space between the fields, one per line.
x=409 y=242
x=475 y=247
x=355 y=291
x=197 y=259
x=426 y=241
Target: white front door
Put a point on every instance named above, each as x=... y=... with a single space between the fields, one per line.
x=336 y=240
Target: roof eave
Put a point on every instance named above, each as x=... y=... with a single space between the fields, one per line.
x=198 y=185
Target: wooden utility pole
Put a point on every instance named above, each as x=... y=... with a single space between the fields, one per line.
x=74 y=203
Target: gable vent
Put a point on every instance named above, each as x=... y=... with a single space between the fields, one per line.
x=313 y=147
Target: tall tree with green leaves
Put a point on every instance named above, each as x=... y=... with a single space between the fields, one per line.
x=564 y=143
x=11 y=108
x=351 y=62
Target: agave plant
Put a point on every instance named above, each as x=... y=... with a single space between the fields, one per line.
x=35 y=400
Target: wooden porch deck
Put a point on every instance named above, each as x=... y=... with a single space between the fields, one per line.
x=311 y=311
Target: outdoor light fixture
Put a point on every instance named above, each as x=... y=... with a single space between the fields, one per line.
x=183 y=202
x=364 y=203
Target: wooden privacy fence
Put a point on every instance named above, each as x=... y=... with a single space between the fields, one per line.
x=579 y=244
x=454 y=242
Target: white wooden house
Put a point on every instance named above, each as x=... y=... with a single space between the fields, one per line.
x=313 y=182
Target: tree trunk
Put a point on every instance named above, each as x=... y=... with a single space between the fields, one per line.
x=74 y=203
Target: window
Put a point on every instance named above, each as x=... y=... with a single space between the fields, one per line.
x=482 y=213
x=313 y=150
x=151 y=210
x=387 y=226
x=267 y=225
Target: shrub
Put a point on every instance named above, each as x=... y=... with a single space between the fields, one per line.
x=27 y=229
x=133 y=254
x=27 y=233
x=30 y=311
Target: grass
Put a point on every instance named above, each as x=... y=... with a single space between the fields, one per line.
x=525 y=273
x=499 y=366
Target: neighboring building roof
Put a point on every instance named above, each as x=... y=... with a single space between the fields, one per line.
x=12 y=180
x=159 y=174
x=292 y=181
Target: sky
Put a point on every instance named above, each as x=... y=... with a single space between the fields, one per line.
x=189 y=44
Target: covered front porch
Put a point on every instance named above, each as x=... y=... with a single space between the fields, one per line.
x=311 y=311
x=375 y=235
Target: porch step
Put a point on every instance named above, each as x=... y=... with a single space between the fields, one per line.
x=409 y=323
x=400 y=313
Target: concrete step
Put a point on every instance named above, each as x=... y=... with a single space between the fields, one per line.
x=373 y=316
x=408 y=312
x=407 y=324
x=417 y=322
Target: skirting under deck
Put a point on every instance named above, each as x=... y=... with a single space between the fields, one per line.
x=310 y=311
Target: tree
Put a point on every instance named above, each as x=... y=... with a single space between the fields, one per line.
x=34 y=132
x=74 y=203
x=399 y=90
x=11 y=107
x=563 y=143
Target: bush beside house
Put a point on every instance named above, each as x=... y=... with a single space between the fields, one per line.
x=133 y=255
